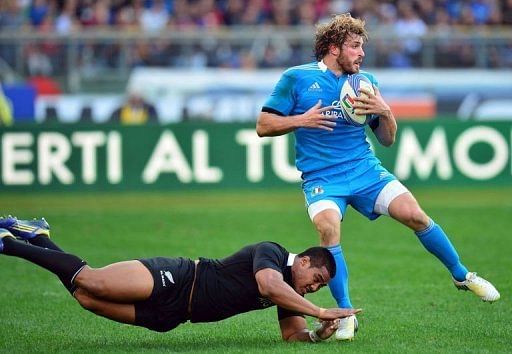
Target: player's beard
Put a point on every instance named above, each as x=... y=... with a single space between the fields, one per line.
x=347 y=66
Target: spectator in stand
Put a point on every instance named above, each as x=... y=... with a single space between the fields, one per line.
x=155 y=18
x=234 y=12
x=66 y=22
x=410 y=28
x=507 y=12
x=135 y=110
x=11 y=15
x=39 y=10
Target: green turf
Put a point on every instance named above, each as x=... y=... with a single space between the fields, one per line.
x=409 y=302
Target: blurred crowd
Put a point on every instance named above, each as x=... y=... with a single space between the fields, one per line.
x=407 y=20
x=64 y=16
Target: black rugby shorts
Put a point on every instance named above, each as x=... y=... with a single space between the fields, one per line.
x=167 y=307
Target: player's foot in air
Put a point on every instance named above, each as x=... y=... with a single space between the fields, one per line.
x=4 y=233
x=25 y=229
x=479 y=286
x=347 y=328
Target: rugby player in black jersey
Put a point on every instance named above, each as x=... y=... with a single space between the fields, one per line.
x=161 y=293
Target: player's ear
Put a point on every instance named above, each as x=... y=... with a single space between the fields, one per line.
x=305 y=261
x=334 y=50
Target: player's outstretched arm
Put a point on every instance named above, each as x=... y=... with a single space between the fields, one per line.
x=272 y=286
x=270 y=124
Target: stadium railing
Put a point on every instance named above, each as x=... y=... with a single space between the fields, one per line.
x=106 y=56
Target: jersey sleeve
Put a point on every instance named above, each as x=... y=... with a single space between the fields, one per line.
x=268 y=255
x=283 y=96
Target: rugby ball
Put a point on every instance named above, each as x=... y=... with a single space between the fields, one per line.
x=349 y=90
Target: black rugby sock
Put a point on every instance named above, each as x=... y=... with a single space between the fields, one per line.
x=63 y=265
x=45 y=242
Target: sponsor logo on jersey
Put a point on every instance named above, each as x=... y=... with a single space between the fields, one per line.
x=337 y=110
x=315 y=87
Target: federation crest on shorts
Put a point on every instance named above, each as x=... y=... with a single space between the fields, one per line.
x=316 y=191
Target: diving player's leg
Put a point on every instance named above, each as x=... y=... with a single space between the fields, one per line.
x=124 y=313
x=127 y=282
x=63 y=265
x=401 y=205
x=36 y=231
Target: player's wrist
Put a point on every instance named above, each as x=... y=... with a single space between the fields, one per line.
x=321 y=312
x=314 y=337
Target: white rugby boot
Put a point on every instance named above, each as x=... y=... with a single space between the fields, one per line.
x=347 y=328
x=479 y=286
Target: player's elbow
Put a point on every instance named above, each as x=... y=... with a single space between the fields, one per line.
x=261 y=129
x=267 y=287
x=265 y=290
x=388 y=142
x=387 y=139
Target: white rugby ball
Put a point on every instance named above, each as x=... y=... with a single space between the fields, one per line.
x=349 y=90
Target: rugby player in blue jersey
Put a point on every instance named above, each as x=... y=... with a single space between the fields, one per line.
x=337 y=165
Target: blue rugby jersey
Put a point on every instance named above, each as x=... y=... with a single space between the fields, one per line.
x=318 y=151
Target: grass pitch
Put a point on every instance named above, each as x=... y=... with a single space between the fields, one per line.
x=409 y=302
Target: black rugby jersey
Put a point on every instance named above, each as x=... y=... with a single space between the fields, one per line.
x=226 y=287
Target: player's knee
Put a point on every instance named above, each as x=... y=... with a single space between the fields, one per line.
x=93 y=284
x=98 y=288
x=416 y=218
x=328 y=232
x=85 y=300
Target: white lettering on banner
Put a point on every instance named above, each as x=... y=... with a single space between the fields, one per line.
x=54 y=150
x=200 y=155
x=254 y=155
x=13 y=154
x=167 y=157
x=89 y=142
x=480 y=171
x=114 y=158
x=410 y=155
x=280 y=153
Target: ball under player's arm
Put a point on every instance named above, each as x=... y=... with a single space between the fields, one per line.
x=375 y=104
x=273 y=124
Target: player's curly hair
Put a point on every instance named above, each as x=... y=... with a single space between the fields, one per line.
x=336 y=32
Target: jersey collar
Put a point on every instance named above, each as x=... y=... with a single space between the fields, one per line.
x=291 y=258
x=322 y=66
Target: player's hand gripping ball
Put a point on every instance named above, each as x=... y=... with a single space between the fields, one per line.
x=349 y=90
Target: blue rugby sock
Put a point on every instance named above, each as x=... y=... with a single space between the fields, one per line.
x=339 y=284
x=436 y=242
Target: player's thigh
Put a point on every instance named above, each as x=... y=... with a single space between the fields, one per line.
x=325 y=194
x=127 y=281
x=374 y=191
x=124 y=313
